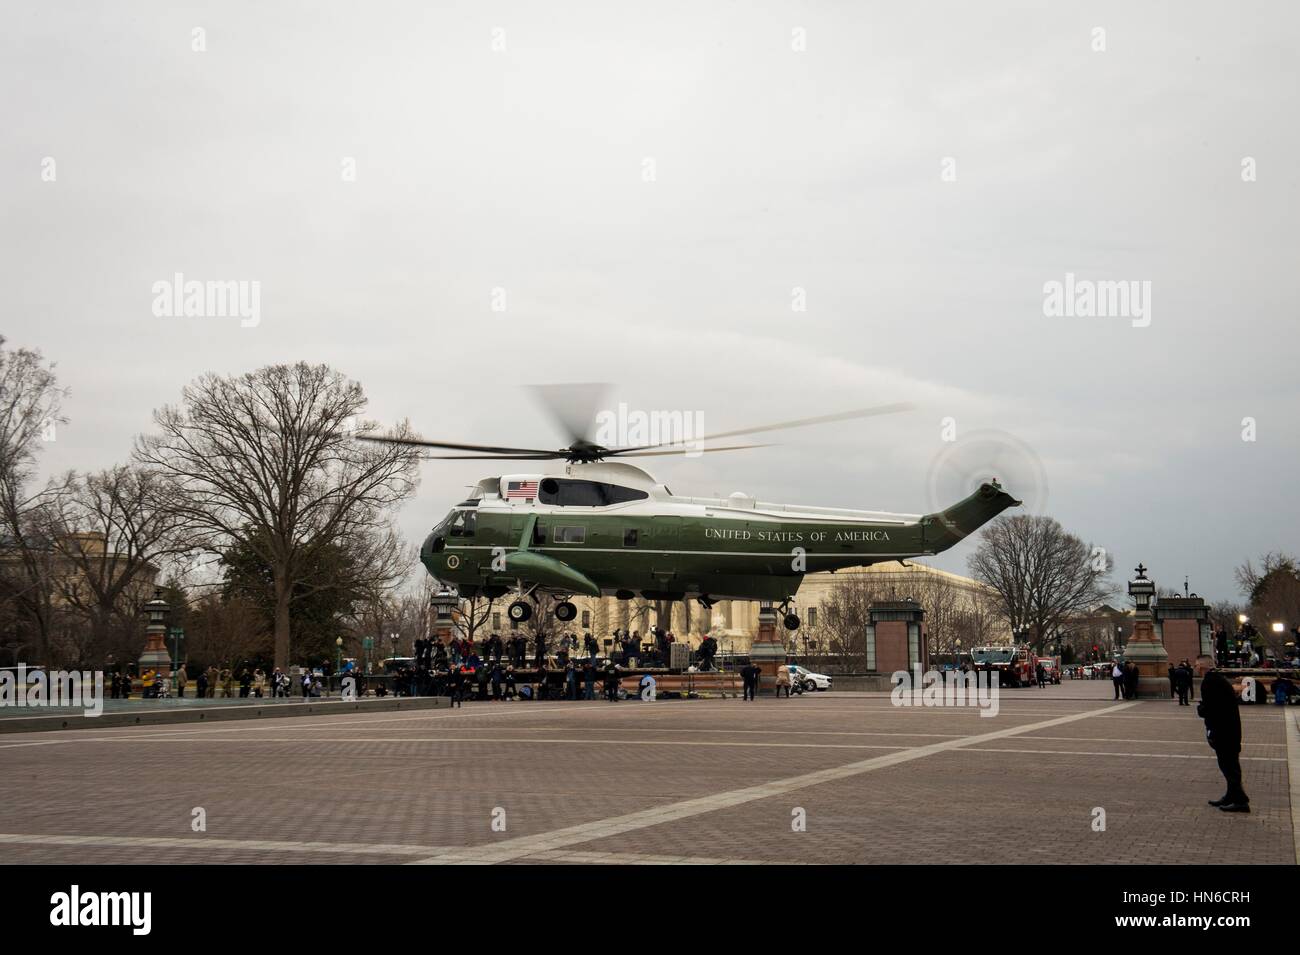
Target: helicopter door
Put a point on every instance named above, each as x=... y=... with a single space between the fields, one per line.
x=523 y=531
x=663 y=538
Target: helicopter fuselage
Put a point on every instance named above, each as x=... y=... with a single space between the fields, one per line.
x=609 y=529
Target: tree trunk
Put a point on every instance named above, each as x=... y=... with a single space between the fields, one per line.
x=283 y=593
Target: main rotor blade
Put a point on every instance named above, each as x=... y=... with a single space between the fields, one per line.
x=493 y=457
x=798 y=423
x=572 y=407
x=682 y=450
x=489 y=449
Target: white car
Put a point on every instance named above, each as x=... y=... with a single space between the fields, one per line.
x=799 y=676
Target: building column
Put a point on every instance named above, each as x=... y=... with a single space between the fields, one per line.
x=766 y=651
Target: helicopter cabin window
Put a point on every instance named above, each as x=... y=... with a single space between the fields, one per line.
x=629 y=537
x=462 y=525
x=570 y=535
x=566 y=492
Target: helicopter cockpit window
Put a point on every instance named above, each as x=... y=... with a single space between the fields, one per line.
x=462 y=523
x=564 y=492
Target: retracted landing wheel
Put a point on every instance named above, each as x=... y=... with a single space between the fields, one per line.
x=792 y=621
x=519 y=611
x=565 y=611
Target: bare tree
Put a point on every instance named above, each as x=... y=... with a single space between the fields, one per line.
x=224 y=631
x=977 y=620
x=110 y=533
x=268 y=459
x=1274 y=594
x=845 y=614
x=473 y=615
x=1225 y=614
x=541 y=624
x=1041 y=574
x=30 y=411
x=943 y=604
x=411 y=618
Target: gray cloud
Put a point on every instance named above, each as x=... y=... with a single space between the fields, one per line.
x=774 y=169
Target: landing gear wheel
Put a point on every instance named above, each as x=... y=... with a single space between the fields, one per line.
x=792 y=621
x=565 y=611
x=519 y=611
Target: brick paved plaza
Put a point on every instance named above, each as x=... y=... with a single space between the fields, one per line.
x=680 y=781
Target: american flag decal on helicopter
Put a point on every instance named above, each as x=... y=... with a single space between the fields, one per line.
x=523 y=489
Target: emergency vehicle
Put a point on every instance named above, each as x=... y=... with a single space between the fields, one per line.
x=1015 y=666
x=1051 y=668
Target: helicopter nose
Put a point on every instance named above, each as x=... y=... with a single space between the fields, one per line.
x=432 y=544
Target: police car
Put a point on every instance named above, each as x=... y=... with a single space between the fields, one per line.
x=800 y=676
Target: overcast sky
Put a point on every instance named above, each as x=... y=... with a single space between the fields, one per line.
x=649 y=184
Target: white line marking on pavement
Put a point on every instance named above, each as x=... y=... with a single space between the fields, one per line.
x=1292 y=721
x=188 y=730
x=1080 y=752
x=483 y=740
x=608 y=828
x=349 y=848
x=252 y=845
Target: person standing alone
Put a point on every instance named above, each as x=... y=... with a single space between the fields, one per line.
x=1219 y=709
x=1183 y=682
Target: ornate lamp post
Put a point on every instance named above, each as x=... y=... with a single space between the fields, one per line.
x=442 y=605
x=1144 y=649
x=177 y=634
x=155 y=656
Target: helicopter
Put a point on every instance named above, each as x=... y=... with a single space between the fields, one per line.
x=578 y=520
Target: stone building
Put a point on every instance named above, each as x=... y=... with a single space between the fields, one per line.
x=734 y=622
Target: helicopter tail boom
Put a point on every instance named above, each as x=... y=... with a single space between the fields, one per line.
x=951 y=525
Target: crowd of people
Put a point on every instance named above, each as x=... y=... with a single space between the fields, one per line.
x=497 y=678
x=1125 y=678
x=214 y=683
x=494 y=668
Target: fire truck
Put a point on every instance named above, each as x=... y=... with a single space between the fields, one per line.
x=1015 y=666
x=1051 y=668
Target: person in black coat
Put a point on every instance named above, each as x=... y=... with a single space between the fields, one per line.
x=1183 y=682
x=1131 y=677
x=1219 y=709
x=1221 y=646
x=456 y=682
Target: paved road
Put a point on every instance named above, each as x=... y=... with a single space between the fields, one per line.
x=698 y=781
